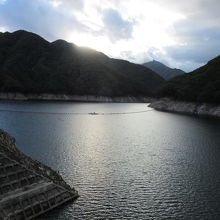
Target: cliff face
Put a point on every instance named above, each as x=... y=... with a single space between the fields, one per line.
x=28 y=188
x=192 y=108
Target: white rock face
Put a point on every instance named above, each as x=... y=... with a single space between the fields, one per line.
x=169 y=105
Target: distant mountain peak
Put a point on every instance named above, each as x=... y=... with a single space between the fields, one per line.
x=163 y=70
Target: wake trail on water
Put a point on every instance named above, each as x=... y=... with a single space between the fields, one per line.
x=74 y=113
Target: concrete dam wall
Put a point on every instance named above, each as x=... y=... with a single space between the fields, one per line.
x=28 y=188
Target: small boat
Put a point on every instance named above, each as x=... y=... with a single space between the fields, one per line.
x=93 y=113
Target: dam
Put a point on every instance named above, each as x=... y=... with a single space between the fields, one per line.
x=28 y=188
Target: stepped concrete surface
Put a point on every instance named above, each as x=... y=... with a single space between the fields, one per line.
x=28 y=188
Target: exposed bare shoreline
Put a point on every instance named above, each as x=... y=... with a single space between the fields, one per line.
x=164 y=104
x=73 y=98
x=200 y=109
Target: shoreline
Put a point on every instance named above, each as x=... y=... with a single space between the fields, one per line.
x=163 y=104
x=189 y=108
x=72 y=98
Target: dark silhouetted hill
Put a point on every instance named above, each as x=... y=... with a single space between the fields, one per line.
x=163 y=70
x=30 y=64
x=201 y=85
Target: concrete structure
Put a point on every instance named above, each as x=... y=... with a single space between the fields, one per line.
x=26 y=193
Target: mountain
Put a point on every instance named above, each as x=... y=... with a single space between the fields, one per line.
x=163 y=70
x=201 y=85
x=30 y=64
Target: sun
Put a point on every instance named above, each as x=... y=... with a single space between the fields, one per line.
x=153 y=28
x=99 y=43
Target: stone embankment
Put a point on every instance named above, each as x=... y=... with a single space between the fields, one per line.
x=27 y=187
x=200 y=109
x=75 y=98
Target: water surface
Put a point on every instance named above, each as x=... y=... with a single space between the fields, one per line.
x=147 y=165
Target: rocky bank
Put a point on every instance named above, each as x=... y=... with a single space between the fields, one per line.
x=200 y=109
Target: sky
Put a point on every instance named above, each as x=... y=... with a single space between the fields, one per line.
x=181 y=34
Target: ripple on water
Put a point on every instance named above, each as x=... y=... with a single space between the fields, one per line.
x=151 y=165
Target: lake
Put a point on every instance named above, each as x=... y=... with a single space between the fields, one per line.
x=127 y=162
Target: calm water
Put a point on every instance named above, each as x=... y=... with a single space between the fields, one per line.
x=149 y=165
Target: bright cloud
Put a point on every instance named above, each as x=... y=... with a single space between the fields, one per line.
x=181 y=34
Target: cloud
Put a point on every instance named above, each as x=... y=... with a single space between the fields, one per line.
x=115 y=26
x=197 y=36
x=199 y=46
x=135 y=57
x=68 y=4
x=179 y=33
x=38 y=16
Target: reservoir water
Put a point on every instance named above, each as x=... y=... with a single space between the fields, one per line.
x=143 y=164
